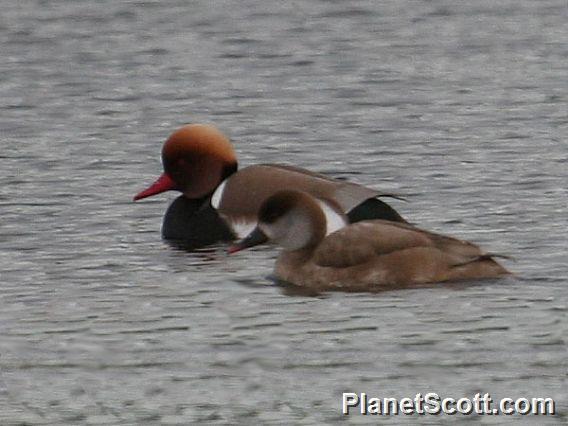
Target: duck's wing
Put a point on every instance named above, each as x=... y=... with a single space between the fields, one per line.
x=361 y=242
x=242 y=194
x=347 y=193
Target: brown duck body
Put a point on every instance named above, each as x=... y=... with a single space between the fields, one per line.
x=380 y=255
x=371 y=255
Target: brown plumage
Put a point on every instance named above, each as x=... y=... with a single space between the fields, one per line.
x=220 y=202
x=366 y=256
x=245 y=191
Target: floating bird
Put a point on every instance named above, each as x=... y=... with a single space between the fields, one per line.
x=370 y=255
x=220 y=202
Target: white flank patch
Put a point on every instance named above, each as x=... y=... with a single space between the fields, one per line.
x=334 y=219
x=218 y=195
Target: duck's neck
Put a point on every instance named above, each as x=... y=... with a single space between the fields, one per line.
x=228 y=170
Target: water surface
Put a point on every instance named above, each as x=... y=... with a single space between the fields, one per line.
x=459 y=106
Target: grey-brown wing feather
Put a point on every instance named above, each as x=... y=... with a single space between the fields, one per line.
x=247 y=189
x=344 y=188
x=361 y=242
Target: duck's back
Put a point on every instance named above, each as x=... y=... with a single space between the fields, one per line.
x=373 y=255
x=362 y=241
x=242 y=194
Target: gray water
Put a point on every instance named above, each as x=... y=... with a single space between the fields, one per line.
x=461 y=107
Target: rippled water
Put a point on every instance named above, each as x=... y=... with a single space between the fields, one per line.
x=459 y=106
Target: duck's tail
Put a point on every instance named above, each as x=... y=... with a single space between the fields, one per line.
x=481 y=266
x=482 y=257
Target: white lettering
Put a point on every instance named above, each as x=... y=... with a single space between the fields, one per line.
x=464 y=406
x=406 y=406
x=419 y=403
x=505 y=406
x=543 y=406
x=446 y=402
x=432 y=401
x=390 y=406
x=349 y=400
x=522 y=406
x=363 y=398
x=374 y=406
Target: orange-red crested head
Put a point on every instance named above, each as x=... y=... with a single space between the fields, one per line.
x=196 y=159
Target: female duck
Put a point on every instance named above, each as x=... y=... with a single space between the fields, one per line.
x=365 y=256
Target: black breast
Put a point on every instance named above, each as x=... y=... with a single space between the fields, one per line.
x=192 y=224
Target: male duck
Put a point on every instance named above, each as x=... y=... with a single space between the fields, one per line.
x=219 y=203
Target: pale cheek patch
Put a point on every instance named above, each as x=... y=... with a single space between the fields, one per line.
x=242 y=228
